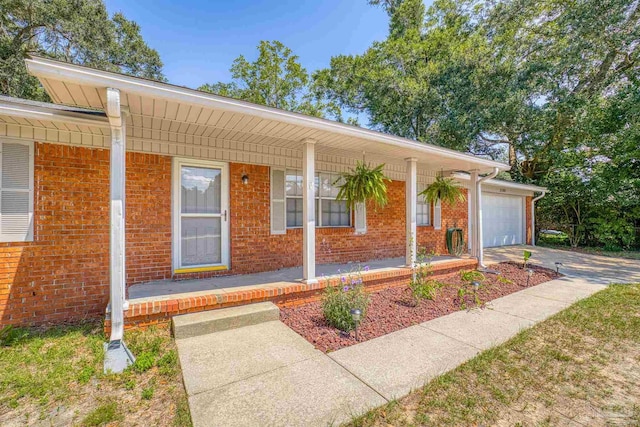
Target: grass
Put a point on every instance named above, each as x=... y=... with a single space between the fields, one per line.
x=582 y=364
x=54 y=376
x=628 y=254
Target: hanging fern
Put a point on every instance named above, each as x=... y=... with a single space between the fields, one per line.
x=363 y=184
x=444 y=189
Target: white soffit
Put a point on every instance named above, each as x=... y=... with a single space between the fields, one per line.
x=162 y=111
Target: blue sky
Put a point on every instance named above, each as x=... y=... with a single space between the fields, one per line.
x=198 y=40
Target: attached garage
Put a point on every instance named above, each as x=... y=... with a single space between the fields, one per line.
x=507 y=211
x=503 y=219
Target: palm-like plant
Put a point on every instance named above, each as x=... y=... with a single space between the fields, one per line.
x=444 y=189
x=363 y=184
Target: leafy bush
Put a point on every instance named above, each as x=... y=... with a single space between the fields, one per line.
x=472 y=276
x=337 y=301
x=422 y=287
x=613 y=233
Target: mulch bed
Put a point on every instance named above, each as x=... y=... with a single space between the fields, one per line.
x=394 y=308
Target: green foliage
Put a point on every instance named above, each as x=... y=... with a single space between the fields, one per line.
x=362 y=185
x=421 y=285
x=472 y=276
x=9 y=335
x=525 y=257
x=144 y=362
x=504 y=280
x=147 y=393
x=276 y=79
x=445 y=189
x=81 y=32
x=103 y=415
x=337 y=301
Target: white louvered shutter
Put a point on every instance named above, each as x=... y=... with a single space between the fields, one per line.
x=278 y=203
x=360 y=216
x=437 y=215
x=16 y=191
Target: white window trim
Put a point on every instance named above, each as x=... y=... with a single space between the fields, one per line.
x=176 y=229
x=319 y=210
x=29 y=236
x=420 y=201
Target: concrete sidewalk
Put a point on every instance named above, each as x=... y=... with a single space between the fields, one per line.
x=268 y=375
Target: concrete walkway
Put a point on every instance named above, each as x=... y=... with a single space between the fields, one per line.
x=268 y=375
x=597 y=268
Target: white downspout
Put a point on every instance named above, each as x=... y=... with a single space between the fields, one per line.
x=479 y=213
x=533 y=217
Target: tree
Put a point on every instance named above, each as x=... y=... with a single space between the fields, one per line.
x=276 y=79
x=76 y=31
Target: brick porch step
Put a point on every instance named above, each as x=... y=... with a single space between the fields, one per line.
x=207 y=322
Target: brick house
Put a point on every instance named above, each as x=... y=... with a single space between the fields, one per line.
x=123 y=181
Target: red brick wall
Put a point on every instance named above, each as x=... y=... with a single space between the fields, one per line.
x=63 y=274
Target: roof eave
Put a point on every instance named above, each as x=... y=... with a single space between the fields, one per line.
x=50 y=69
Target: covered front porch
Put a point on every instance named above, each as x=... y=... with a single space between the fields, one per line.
x=156 y=302
x=245 y=154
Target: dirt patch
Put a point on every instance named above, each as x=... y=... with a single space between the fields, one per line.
x=394 y=309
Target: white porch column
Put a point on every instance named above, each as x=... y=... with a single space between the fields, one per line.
x=473 y=213
x=308 y=211
x=411 y=195
x=117 y=357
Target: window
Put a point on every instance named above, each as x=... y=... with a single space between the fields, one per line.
x=329 y=211
x=16 y=191
x=423 y=208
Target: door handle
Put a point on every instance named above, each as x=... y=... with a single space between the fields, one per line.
x=225 y=215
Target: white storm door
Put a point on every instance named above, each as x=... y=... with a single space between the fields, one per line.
x=201 y=215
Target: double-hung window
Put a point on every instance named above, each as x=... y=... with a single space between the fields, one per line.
x=329 y=211
x=423 y=208
x=16 y=191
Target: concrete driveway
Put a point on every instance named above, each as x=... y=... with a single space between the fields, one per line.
x=602 y=269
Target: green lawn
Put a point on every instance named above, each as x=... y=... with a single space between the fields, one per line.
x=592 y=251
x=55 y=377
x=583 y=364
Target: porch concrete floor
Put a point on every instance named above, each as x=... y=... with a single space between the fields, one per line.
x=167 y=289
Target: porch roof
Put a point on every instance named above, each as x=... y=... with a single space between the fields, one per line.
x=163 y=112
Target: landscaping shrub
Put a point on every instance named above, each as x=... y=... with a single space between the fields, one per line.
x=421 y=285
x=337 y=301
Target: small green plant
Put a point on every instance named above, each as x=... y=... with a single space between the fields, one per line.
x=337 y=301
x=504 y=280
x=525 y=256
x=147 y=393
x=144 y=362
x=10 y=335
x=103 y=415
x=421 y=285
x=469 y=279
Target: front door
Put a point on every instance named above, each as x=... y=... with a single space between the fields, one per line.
x=201 y=213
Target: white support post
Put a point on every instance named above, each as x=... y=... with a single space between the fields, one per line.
x=473 y=213
x=117 y=356
x=308 y=212
x=411 y=195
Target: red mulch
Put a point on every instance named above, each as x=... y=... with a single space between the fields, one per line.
x=394 y=308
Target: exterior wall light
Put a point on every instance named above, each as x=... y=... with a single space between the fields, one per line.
x=355 y=315
x=245 y=179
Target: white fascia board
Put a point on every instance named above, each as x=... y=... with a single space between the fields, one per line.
x=55 y=70
x=504 y=184
x=51 y=114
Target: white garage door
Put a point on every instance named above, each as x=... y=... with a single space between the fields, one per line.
x=502 y=220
